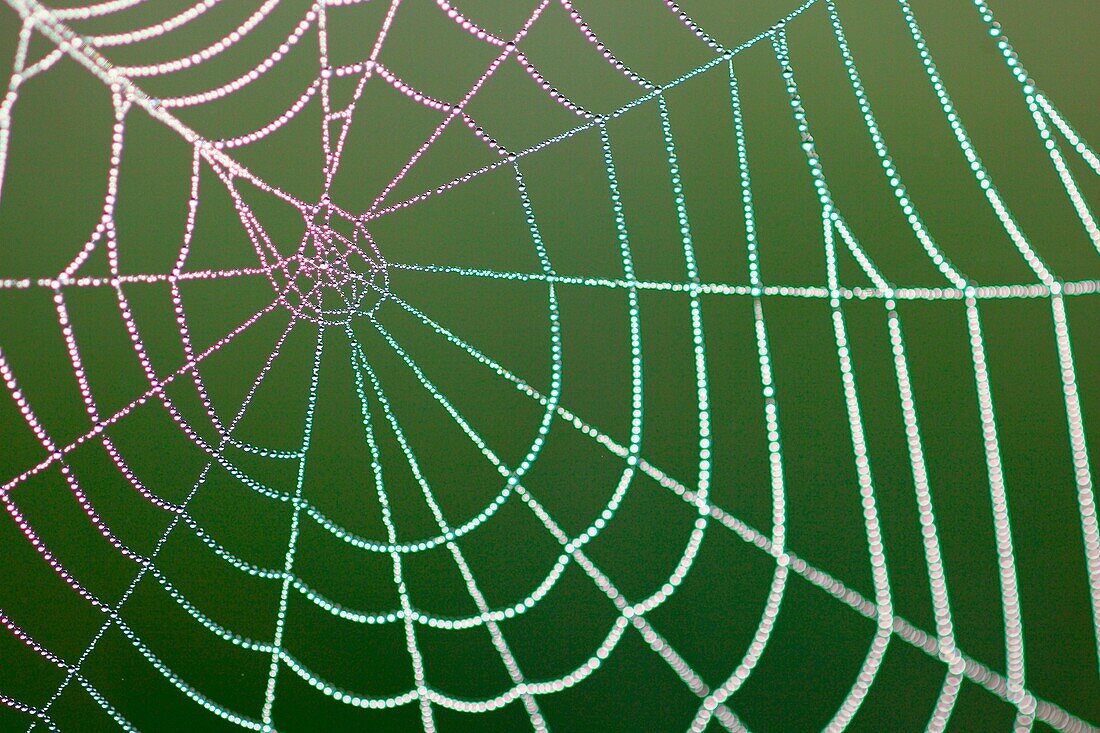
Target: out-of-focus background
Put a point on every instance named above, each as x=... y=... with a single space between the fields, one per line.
x=467 y=299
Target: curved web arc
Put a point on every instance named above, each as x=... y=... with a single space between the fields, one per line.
x=572 y=546
x=214 y=49
x=474 y=591
x=152 y=31
x=496 y=636
x=833 y=224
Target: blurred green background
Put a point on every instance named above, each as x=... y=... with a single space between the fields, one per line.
x=57 y=169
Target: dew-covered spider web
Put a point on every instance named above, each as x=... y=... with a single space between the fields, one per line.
x=490 y=365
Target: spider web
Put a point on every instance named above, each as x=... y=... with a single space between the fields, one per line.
x=336 y=289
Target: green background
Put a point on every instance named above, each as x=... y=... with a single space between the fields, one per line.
x=52 y=197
